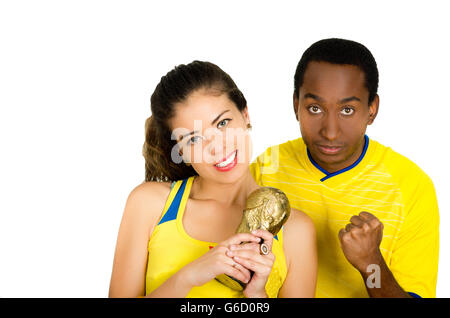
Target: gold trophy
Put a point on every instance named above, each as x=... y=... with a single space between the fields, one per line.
x=266 y=208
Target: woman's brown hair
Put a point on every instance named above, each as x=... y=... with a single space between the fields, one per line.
x=174 y=88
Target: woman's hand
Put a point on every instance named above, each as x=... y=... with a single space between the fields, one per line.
x=216 y=262
x=249 y=255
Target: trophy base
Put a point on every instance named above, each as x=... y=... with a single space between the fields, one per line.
x=231 y=282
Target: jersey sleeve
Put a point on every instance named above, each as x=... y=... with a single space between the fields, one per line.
x=414 y=261
x=263 y=164
x=255 y=170
x=266 y=163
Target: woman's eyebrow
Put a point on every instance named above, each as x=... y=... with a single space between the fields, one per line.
x=196 y=131
x=217 y=118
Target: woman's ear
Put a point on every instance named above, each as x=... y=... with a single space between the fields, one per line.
x=246 y=116
x=180 y=152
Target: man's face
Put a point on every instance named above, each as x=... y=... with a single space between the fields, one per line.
x=333 y=111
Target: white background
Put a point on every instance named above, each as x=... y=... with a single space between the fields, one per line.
x=75 y=83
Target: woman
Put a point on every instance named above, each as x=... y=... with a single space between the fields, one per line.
x=178 y=228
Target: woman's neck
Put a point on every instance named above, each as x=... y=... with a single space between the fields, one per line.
x=226 y=194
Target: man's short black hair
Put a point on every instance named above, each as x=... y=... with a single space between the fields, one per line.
x=340 y=51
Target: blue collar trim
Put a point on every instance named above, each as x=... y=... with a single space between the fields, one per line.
x=328 y=174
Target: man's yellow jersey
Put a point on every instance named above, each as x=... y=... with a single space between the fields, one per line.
x=381 y=182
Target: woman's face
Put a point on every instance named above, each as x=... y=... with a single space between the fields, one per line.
x=212 y=136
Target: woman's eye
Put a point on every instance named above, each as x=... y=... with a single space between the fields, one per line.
x=193 y=140
x=314 y=109
x=223 y=123
x=347 y=111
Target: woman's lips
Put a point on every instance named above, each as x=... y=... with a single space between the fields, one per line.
x=230 y=165
x=329 y=150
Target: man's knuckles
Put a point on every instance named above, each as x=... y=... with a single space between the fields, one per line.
x=375 y=223
x=366 y=215
x=366 y=227
x=346 y=238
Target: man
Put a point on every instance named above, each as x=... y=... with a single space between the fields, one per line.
x=375 y=211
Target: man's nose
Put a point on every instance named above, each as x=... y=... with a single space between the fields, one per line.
x=330 y=129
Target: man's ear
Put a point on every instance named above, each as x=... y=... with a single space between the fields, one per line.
x=373 y=109
x=295 y=104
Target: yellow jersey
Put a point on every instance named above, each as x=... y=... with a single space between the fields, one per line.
x=381 y=182
x=170 y=248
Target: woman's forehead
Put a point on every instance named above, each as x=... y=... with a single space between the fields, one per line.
x=201 y=107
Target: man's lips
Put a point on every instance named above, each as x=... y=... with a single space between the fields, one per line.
x=329 y=149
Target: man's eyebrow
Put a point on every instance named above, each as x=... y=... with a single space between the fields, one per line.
x=349 y=99
x=342 y=101
x=310 y=95
x=217 y=118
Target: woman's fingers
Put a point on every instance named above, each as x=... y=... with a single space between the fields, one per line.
x=253 y=255
x=260 y=267
x=252 y=260
x=240 y=238
x=243 y=252
x=225 y=261
x=238 y=272
x=266 y=236
x=245 y=272
x=246 y=246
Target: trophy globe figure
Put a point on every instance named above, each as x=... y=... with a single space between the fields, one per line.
x=267 y=208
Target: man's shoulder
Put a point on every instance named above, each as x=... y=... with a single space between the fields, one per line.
x=402 y=169
x=277 y=157
x=286 y=148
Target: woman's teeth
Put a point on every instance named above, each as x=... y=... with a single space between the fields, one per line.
x=228 y=161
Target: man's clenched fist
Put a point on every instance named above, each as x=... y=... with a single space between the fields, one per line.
x=360 y=240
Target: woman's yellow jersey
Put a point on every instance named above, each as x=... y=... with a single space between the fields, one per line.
x=381 y=182
x=170 y=248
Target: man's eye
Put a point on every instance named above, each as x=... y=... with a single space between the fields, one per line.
x=347 y=111
x=314 y=109
x=223 y=123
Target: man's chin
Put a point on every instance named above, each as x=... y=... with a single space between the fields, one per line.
x=329 y=159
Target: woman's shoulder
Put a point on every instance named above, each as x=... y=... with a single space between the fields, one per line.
x=152 y=188
x=299 y=236
x=299 y=227
x=147 y=200
x=299 y=220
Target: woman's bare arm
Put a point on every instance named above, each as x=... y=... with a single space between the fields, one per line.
x=142 y=210
x=299 y=240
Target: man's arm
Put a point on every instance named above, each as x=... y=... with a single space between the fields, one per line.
x=360 y=241
x=386 y=286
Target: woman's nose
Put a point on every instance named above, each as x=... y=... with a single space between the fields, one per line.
x=214 y=143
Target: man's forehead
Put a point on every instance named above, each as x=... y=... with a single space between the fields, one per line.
x=323 y=71
x=333 y=82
